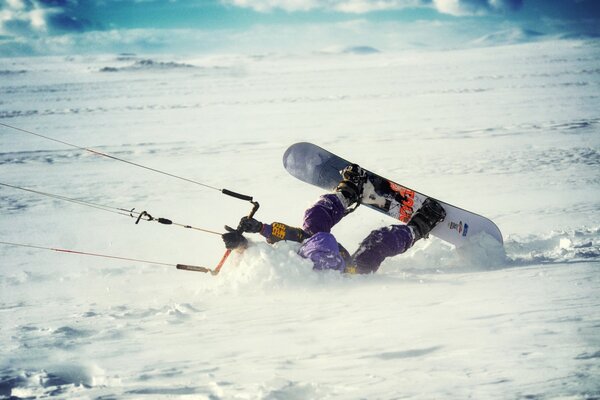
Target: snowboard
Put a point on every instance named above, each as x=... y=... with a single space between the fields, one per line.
x=317 y=166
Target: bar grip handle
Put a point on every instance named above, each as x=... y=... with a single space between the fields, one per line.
x=236 y=195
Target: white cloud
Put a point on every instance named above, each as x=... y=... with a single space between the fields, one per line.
x=347 y=6
x=18 y=17
x=452 y=7
x=387 y=36
x=16 y=4
x=37 y=17
x=475 y=7
x=113 y=41
x=364 y=6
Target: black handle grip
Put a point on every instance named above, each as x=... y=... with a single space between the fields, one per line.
x=193 y=268
x=236 y=195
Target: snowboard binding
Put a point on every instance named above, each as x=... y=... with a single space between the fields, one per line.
x=351 y=186
x=426 y=218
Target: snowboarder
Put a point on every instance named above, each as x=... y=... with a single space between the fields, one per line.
x=321 y=247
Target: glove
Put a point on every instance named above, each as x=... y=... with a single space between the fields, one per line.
x=250 y=225
x=233 y=239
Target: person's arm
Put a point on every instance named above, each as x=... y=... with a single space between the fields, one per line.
x=277 y=231
x=274 y=232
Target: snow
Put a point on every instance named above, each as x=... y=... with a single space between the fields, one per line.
x=510 y=132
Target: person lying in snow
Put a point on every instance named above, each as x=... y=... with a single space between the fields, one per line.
x=321 y=247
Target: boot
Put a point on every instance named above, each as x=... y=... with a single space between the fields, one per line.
x=426 y=218
x=351 y=187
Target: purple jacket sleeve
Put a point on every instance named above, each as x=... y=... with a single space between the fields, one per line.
x=321 y=217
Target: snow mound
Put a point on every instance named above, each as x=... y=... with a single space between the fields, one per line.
x=361 y=50
x=271 y=267
x=262 y=266
x=575 y=245
x=283 y=389
x=481 y=253
x=485 y=253
x=149 y=65
x=10 y=72
x=62 y=380
x=509 y=36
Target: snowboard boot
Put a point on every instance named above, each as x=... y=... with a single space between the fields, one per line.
x=351 y=187
x=426 y=218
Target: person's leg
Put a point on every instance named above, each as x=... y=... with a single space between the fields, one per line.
x=396 y=239
x=331 y=208
x=322 y=249
x=324 y=214
x=382 y=243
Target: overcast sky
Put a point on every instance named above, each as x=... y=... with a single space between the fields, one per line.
x=203 y=26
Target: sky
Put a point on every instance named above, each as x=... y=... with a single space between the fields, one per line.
x=41 y=27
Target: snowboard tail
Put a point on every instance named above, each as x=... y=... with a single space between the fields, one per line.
x=317 y=166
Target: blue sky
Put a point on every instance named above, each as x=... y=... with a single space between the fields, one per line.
x=191 y=26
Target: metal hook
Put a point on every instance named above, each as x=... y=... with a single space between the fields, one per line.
x=142 y=214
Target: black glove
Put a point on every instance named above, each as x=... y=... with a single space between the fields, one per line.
x=250 y=225
x=233 y=239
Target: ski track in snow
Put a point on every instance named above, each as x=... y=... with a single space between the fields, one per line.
x=518 y=144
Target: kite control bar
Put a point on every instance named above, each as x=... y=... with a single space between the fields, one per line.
x=217 y=269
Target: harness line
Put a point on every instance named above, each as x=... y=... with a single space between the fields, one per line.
x=99 y=153
x=119 y=211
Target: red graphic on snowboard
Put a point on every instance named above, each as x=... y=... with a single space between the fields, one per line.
x=406 y=200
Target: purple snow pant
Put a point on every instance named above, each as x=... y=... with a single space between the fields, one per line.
x=323 y=250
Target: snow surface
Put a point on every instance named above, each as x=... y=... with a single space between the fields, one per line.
x=509 y=132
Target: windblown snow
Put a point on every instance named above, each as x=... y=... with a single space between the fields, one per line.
x=512 y=133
